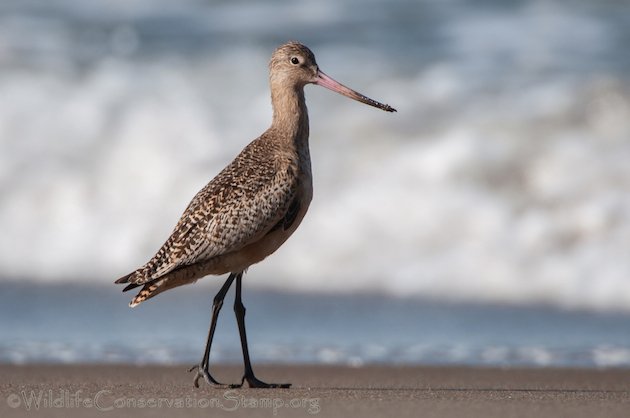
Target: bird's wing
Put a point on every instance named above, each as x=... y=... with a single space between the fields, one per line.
x=235 y=209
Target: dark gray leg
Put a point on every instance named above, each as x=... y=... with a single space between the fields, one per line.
x=202 y=368
x=239 y=309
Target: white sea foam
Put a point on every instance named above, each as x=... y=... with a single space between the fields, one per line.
x=504 y=176
x=599 y=356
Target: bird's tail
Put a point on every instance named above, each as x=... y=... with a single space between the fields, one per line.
x=153 y=287
x=136 y=279
x=148 y=291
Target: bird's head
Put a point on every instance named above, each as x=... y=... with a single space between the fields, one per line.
x=294 y=65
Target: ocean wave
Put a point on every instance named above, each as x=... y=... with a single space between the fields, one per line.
x=526 y=356
x=503 y=178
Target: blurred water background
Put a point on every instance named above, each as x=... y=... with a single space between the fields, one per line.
x=484 y=223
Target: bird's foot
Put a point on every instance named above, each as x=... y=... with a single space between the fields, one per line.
x=253 y=382
x=202 y=372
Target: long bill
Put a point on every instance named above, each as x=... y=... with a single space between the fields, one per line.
x=325 y=81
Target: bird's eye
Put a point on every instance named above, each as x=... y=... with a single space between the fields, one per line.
x=295 y=60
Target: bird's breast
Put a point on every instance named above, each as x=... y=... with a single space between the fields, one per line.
x=298 y=174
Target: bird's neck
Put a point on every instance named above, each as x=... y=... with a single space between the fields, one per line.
x=290 y=116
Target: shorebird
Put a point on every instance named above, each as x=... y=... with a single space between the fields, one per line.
x=250 y=208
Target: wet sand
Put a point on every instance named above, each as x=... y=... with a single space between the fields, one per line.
x=323 y=391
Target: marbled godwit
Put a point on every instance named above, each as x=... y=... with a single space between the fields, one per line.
x=250 y=208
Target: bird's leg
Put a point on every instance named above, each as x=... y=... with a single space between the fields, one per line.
x=239 y=310
x=203 y=367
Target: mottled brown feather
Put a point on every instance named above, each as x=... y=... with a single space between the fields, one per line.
x=232 y=222
x=234 y=209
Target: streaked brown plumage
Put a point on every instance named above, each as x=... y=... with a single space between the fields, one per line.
x=251 y=207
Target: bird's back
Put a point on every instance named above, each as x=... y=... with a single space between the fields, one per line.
x=244 y=214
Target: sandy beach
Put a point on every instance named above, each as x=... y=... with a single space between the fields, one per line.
x=325 y=391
